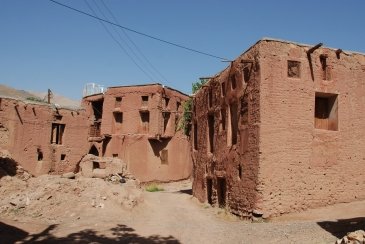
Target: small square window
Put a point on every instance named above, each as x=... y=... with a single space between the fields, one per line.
x=63 y=157
x=293 y=69
x=144 y=101
x=118 y=101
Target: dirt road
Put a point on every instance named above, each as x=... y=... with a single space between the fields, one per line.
x=174 y=216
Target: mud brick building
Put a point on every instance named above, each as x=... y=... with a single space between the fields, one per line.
x=139 y=125
x=41 y=137
x=281 y=129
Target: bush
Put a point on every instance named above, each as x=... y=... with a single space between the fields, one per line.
x=153 y=188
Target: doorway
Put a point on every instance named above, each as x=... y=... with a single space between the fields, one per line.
x=209 y=191
x=221 y=192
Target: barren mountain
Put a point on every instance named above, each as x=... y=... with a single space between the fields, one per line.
x=7 y=91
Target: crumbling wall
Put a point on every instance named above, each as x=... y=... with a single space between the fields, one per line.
x=225 y=167
x=42 y=138
x=139 y=125
x=304 y=164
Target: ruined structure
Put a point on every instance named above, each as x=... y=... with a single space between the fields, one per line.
x=281 y=129
x=41 y=137
x=139 y=124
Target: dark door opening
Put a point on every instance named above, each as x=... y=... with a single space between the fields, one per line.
x=209 y=191
x=211 y=132
x=221 y=192
x=98 y=109
x=94 y=151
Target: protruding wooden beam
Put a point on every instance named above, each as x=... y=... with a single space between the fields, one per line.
x=247 y=61
x=338 y=52
x=312 y=49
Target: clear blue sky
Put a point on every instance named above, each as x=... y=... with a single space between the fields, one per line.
x=43 y=45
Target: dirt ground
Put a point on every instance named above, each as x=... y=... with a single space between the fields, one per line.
x=58 y=210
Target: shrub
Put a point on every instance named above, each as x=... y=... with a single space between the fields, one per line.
x=153 y=187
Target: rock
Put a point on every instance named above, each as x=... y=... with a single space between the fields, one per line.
x=355 y=237
x=69 y=175
x=99 y=173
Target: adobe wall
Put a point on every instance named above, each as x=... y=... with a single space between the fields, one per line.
x=153 y=149
x=227 y=110
x=26 y=131
x=143 y=156
x=302 y=166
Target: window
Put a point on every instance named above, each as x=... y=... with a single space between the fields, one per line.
x=326 y=74
x=246 y=73
x=166 y=118
x=233 y=125
x=223 y=119
x=115 y=155
x=118 y=102
x=144 y=101
x=293 y=69
x=240 y=171
x=118 y=120
x=98 y=109
x=195 y=135
x=39 y=154
x=210 y=97
x=145 y=120
x=164 y=156
x=178 y=104
x=63 y=157
x=166 y=100
x=223 y=87
x=326 y=111
x=57 y=133
x=244 y=110
x=211 y=132
x=233 y=82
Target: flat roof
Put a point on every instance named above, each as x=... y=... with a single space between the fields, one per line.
x=149 y=84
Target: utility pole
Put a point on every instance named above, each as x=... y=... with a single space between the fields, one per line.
x=49 y=96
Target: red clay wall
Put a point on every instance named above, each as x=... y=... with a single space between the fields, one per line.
x=302 y=166
x=232 y=155
x=26 y=130
x=139 y=142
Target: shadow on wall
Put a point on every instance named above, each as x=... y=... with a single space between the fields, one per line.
x=341 y=227
x=7 y=167
x=157 y=146
x=119 y=234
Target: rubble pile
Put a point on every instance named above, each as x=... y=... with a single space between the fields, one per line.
x=54 y=198
x=355 y=237
x=8 y=166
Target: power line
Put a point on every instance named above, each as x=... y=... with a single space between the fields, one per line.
x=116 y=30
x=138 y=32
x=133 y=43
x=119 y=44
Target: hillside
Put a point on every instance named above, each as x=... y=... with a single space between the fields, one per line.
x=7 y=91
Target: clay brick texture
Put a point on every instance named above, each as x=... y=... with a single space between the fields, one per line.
x=280 y=130
x=41 y=137
x=139 y=124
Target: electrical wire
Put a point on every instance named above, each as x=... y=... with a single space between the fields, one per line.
x=138 y=32
x=146 y=69
x=119 y=44
x=133 y=43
